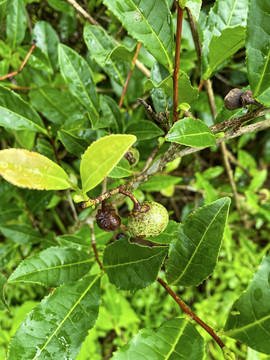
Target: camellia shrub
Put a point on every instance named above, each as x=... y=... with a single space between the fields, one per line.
x=134 y=198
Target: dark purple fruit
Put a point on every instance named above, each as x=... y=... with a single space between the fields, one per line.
x=107 y=219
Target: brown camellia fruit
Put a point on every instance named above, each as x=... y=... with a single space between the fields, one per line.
x=107 y=219
x=150 y=220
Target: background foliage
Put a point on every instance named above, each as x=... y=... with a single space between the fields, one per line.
x=64 y=99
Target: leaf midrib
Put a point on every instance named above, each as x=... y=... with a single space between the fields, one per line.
x=80 y=81
x=133 y=262
x=66 y=317
x=27 y=120
x=176 y=341
x=198 y=246
x=49 y=268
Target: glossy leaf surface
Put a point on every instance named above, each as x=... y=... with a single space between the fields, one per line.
x=79 y=78
x=174 y=339
x=188 y=131
x=149 y=22
x=194 y=251
x=131 y=266
x=186 y=92
x=72 y=143
x=144 y=130
x=47 y=41
x=121 y=170
x=159 y=182
x=100 y=45
x=29 y=169
x=224 y=14
x=53 y=267
x=56 y=105
x=16 y=114
x=221 y=48
x=258 y=50
x=16 y=23
x=251 y=323
x=59 y=324
x=21 y=233
x=101 y=157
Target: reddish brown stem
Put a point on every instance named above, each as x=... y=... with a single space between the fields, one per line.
x=187 y=311
x=129 y=75
x=180 y=13
x=94 y=246
x=22 y=65
x=201 y=85
x=108 y=194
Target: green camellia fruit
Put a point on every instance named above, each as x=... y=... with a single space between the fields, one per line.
x=151 y=220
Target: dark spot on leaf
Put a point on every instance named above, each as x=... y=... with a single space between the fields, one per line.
x=258 y=294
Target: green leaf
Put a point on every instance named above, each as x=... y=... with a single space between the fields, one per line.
x=9 y=212
x=101 y=157
x=72 y=143
x=167 y=236
x=186 y=92
x=221 y=48
x=150 y=22
x=111 y=112
x=194 y=251
x=195 y=7
x=121 y=170
x=47 y=41
x=16 y=23
x=174 y=339
x=101 y=45
x=36 y=200
x=130 y=266
x=6 y=254
x=249 y=321
x=53 y=267
x=161 y=99
x=59 y=324
x=159 y=182
x=37 y=60
x=25 y=168
x=144 y=130
x=21 y=233
x=63 y=6
x=258 y=50
x=79 y=78
x=190 y=132
x=57 y=105
x=224 y=14
x=16 y=114
x=3 y=280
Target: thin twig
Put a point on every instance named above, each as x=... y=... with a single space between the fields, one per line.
x=129 y=75
x=190 y=313
x=234 y=161
x=94 y=245
x=195 y=34
x=150 y=158
x=82 y=12
x=173 y=152
x=180 y=13
x=92 y=21
x=72 y=206
x=201 y=84
x=231 y=179
x=22 y=65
